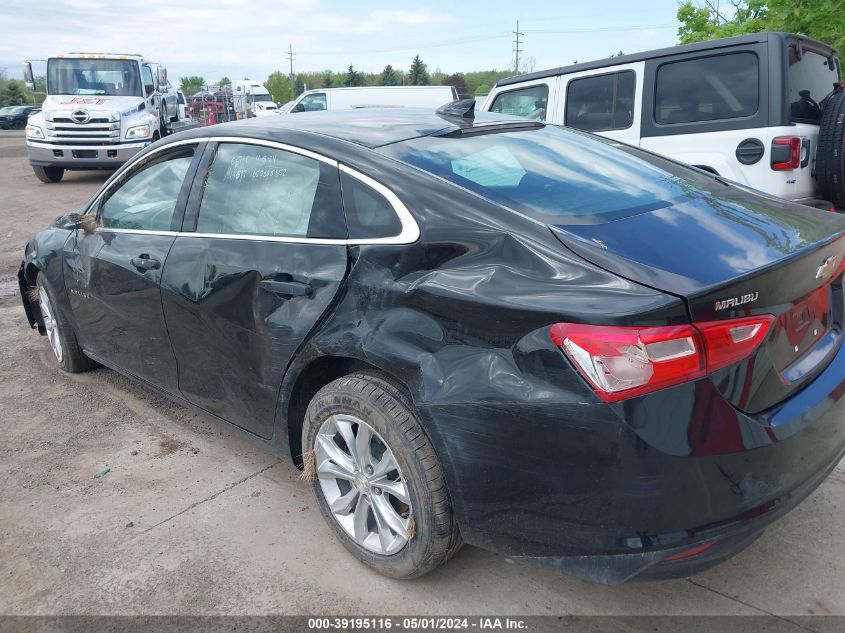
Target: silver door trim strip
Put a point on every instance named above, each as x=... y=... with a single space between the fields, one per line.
x=409 y=234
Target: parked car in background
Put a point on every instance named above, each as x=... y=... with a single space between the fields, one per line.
x=265 y=108
x=15 y=117
x=487 y=330
x=746 y=108
x=373 y=96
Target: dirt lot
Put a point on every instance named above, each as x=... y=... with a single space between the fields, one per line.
x=194 y=518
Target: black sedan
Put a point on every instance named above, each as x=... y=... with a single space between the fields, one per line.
x=15 y=117
x=479 y=330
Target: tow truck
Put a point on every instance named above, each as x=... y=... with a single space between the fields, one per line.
x=100 y=110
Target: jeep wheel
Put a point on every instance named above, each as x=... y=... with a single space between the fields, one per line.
x=48 y=174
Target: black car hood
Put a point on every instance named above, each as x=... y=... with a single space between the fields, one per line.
x=703 y=242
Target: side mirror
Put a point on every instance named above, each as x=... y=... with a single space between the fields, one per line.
x=28 y=76
x=298 y=108
x=161 y=73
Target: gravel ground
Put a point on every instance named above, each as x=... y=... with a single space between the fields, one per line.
x=195 y=518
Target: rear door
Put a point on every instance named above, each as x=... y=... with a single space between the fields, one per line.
x=113 y=275
x=260 y=259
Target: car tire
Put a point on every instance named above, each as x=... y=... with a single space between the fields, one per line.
x=60 y=335
x=830 y=153
x=49 y=174
x=431 y=533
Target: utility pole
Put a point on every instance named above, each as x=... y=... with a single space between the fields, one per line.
x=517 y=50
x=290 y=55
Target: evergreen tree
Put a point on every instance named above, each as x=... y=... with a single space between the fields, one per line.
x=388 y=77
x=418 y=76
x=327 y=79
x=353 y=78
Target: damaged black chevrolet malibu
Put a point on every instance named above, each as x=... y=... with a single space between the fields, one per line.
x=472 y=330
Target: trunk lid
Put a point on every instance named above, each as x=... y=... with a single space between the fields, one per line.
x=737 y=255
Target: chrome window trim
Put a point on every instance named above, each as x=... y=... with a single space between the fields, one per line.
x=409 y=234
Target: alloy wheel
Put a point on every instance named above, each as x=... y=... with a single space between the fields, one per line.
x=50 y=323
x=362 y=484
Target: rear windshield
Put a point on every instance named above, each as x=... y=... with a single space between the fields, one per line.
x=810 y=79
x=555 y=175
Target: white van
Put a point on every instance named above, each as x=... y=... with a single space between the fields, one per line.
x=374 y=97
x=746 y=108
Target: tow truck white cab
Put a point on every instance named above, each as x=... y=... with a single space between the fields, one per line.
x=250 y=97
x=100 y=110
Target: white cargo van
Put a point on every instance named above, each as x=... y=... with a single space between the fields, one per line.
x=746 y=108
x=374 y=97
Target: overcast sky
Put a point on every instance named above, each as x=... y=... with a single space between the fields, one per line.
x=249 y=38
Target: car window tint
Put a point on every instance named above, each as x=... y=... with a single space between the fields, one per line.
x=148 y=199
x=530 y=102
x=709 y=88
x=604 y=102
x=312 y=103
x=368 y=213
x=257 y=190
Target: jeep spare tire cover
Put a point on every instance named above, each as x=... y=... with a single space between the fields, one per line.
x=830 y=154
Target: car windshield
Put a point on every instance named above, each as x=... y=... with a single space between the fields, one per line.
x=555 y=175
x=112 y=77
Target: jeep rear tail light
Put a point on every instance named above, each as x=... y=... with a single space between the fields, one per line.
x=786 y=153
x=622 y=362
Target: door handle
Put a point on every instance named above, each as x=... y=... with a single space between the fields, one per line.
x=145 y=262
x=292 y=288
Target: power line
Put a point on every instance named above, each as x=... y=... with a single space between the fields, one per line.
x=517 y=50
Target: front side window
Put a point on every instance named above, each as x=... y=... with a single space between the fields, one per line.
x=604 y=102
x=149 y=86
x=707 y=89
x=148 y=199
x=809 y=80
x=257 y=190
x=531 y=102
x=312 y=103
x=110 y=77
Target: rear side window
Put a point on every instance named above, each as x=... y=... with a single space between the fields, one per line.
x=368 y=213
x=257 y=190
x=809 y=79
x=530 y=102
x=707 y=89
x=604 y=102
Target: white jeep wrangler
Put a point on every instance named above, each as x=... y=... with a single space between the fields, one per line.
x=764 y=110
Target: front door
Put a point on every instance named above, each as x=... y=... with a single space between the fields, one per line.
x=243 y=289
x=113 y=275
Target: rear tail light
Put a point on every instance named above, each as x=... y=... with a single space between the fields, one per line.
x=786 y=153
x=622 y=362
x=696 y=550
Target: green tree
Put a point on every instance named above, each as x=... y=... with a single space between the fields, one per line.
x=300 y=83
x=328 y=80
x=279 y=86
x=418 y=76
x=819 y=19
x=224 y=81
x=13 y=93
x=388 y=77
x=191 y=85
x=353 y=78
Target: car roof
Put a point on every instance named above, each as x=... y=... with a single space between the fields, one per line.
x=708 y=45
x=368 y=127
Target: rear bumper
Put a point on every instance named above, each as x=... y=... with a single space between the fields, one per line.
x=610 y=492
x=82 y=156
